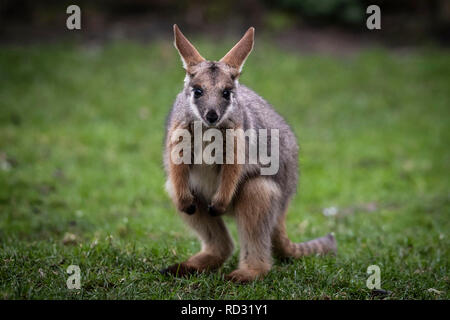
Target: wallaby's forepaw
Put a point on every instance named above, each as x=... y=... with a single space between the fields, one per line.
x=178 y=270
x=215 y=210
x=190 y=209
x=217 y=207
x=187 y=205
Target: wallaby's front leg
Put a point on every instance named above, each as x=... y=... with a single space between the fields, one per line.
x=184 y=200
x=229 y=179
x=230 y=175
x=254 y=209
x=179 y=176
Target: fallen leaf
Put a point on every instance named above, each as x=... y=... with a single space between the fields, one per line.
x=433 y=290
x=69 y=238
x=331 y=211
x=381 y=293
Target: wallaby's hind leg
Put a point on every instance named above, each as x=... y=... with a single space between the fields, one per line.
x=217 y=245
x=255 y=220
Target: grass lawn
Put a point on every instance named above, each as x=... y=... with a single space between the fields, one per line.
x=81 y=178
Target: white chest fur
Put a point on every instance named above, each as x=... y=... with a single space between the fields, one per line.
x=204 y=180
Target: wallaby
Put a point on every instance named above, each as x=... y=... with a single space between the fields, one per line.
x=202 y=193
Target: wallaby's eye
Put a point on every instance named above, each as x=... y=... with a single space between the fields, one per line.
x=226 y=94
x=198 y=92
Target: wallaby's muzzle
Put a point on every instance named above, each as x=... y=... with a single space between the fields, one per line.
x=212 y=117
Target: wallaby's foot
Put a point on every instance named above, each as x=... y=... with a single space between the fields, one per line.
x=245 y=275
x=178 y=270
x=198 y=263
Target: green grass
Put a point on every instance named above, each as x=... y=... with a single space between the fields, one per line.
x=81 y=178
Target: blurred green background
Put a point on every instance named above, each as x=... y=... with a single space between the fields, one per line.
x=81 y=135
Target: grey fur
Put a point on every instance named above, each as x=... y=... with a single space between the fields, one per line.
x=250 y=111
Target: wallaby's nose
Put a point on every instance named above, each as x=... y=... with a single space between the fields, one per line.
x=212 y=116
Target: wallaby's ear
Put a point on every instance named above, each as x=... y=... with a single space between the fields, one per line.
x=235 y=58
x=189 y=55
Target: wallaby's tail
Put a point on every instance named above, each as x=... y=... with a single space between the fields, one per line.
x=284 y=247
